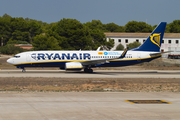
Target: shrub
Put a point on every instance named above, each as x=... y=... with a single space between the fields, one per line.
x=120 y=47
x=21 y=42
x=11 y=49
x=17 y=42
x=133 y=45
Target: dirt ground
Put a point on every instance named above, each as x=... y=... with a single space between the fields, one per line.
x=90 y=85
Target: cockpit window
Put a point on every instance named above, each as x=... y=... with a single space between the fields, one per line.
x=17 y=56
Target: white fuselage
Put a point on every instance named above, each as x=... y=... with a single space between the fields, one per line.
x=59 y=58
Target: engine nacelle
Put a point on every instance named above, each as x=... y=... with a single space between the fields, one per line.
x=73 y=66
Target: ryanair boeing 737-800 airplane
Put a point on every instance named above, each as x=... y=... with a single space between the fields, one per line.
x=78 y=60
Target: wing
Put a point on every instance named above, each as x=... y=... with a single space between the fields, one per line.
x=102 y=61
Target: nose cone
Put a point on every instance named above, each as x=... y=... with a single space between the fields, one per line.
x=10 y=61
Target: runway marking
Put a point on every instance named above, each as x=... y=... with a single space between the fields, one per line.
x=148 y=102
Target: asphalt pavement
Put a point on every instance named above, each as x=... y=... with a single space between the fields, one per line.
x=87 y=106
x=95 y=74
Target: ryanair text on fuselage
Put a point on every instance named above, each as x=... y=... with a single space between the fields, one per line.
x=67 y=56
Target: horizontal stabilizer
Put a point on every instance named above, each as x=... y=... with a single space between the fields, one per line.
x=154 y=54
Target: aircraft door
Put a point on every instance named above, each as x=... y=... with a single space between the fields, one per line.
x=28 y=57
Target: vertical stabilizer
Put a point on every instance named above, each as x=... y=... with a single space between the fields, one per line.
x=153 y=42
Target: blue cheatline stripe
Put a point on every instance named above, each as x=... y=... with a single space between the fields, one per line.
x=113 y=63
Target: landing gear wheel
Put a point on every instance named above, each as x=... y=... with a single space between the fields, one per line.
x=90 y=71
x=86 y=70
x=23 y=70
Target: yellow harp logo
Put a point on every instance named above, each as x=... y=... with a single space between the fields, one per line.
x=155 y=38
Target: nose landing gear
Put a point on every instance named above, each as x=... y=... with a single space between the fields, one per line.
x=23 y=70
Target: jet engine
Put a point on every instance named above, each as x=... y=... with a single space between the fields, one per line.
x=73 y=66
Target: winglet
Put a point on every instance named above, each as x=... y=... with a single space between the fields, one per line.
x=124 y=53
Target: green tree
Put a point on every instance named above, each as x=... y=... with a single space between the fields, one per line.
x=34 y=29
x=133 y=45
x=19 y=30
x=154 y=27
x=174 y=27
x=23 y=30
x=120 y=47
x=6 y=16
x=167 y=30
x=44 y=26
x=98 y=38
x=95 y=24
x=71 y=34
x=45 y=42
x=109 y=44
x=97 y=35
x=134 y=26
x=19 y=36
x=112 y=27
x=5 y=29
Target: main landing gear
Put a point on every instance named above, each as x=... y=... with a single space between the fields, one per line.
x=88 y=70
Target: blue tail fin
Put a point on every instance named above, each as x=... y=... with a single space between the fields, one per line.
x=153 y=42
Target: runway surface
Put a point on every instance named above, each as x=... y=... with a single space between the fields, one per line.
x=96 y=74
x=87 y=106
